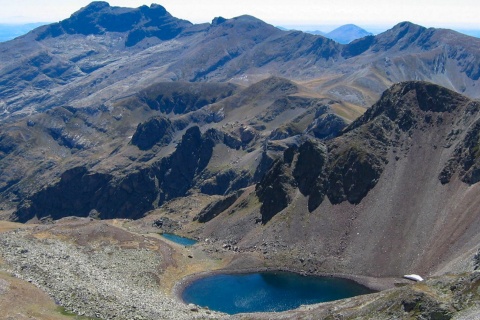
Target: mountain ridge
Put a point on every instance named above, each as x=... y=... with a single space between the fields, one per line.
x=276 y=149
x=244 y=57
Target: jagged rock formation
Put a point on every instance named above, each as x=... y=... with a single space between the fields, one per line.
x=274 y=190
x=157 y=130
x=80 y=191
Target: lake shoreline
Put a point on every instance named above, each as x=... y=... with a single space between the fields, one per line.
x=372 y=283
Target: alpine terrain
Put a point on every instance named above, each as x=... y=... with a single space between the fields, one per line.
x=276 y=150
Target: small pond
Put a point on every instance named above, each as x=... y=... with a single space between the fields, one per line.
x=267 y=291
x=180 y=240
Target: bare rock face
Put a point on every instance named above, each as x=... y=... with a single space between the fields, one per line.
x=466 y=158
x=352 y=175
x=247 y=134
x=326 y=126
x=215 y=208
x=157 y=130
x=310 y=172
x=275 y=190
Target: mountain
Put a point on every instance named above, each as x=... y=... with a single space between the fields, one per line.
x=347 y=33
x=84 y=99
x=99 y=18
x=81 y=100
x=300 y=152
x=134 y=154
x=318 y=33
x=94 y=61
x=402 y=168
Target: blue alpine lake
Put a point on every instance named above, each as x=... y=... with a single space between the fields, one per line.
x=267 y=291
x=180 y=240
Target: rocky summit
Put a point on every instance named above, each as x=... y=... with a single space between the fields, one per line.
x=276 y=150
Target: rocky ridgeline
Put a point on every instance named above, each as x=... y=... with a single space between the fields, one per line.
x=104 y=282
x=347 y=167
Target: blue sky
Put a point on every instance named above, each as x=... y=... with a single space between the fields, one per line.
x=302 y=14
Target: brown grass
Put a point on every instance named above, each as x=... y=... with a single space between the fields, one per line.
x=23 y=300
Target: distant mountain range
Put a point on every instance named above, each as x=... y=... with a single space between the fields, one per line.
x=349 y=32
x=344 y=34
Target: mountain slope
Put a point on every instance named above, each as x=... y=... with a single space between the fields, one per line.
x=92 y=58
x=138 y=150
x=74 y=97
x=405 y=52
x=375 y=203
x=264 y=142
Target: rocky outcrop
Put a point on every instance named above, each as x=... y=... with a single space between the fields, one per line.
x=340 y=170
x=157 y=130
x=177 y=172
x=353 y=173
x=275 y=189
x=224 y=182
x=74 y=194
x=466 y=158
x=310 y=172
x=247 y=134
x=343 y=174
x=326 y=125
x=215 y=208
x=80 y=192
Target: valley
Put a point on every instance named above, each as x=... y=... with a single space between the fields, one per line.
x=275 y=150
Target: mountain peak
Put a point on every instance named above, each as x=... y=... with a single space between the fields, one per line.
x=407 y=99
x=139 y=23
x=248 y=19
x=347 y=33
x=401 y=35
x=406 y=24
x=94 y=6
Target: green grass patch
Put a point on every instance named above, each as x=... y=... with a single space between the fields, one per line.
x=72 y=315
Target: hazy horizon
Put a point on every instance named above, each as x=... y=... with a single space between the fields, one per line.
x=304 y=16
x=429 y=13
x=9 y=31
